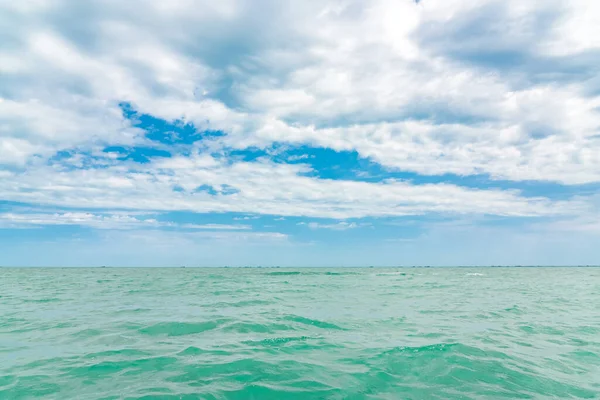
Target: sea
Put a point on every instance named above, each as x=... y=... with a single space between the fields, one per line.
x=302 y=333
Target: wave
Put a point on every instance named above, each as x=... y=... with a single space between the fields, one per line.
x=308 y=273
x=312 y=322
x=180 y=328
x=284 y=273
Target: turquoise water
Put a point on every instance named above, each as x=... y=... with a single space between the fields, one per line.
x=487 y=333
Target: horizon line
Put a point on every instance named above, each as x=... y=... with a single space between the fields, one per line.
x=293 y=267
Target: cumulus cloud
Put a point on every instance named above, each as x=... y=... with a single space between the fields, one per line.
x=260 y=187
x=339 y=226
x=504 y=89
x=120 y=221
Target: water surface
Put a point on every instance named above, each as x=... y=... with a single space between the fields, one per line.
x=456 y=333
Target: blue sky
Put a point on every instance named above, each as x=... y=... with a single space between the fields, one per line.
x=304 y=133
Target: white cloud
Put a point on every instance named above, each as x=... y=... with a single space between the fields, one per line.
x=118 y=221
x=260 y=188
x=339 y=226
x=396 y=81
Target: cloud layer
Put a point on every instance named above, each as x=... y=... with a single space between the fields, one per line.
x=464 y=109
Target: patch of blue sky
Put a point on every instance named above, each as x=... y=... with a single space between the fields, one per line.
x=221 y=190
x=138 y=154
x=78 y=159
x=25 y=233
x=349 y=165
x=206 y=189
x=164 y=132
x=6 y=205
x=249 y=154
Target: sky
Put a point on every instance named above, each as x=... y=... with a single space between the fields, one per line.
x=299 y=133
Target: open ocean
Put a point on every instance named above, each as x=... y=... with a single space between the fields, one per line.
x=253 y=333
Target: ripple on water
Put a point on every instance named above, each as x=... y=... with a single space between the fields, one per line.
x=312 y=322
x=180 y=328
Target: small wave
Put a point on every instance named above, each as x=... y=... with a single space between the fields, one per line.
x=313 y=322
x=133 y=310
x=88 y=332
x=541 y=329
x=474 y=274
x=196 y=351
x=514 y=309
x=117 y=353
x=283 y=273
x=8 y=380
x=180 y=328
x=340 y=273
x=107 y=368
x=260 y=391
x=243 y=303
x=246 y=327
x=37 y=387
x=392 y=274
x=309 y=273
x=49 y=300
x=278 y=341
x=432 y=348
